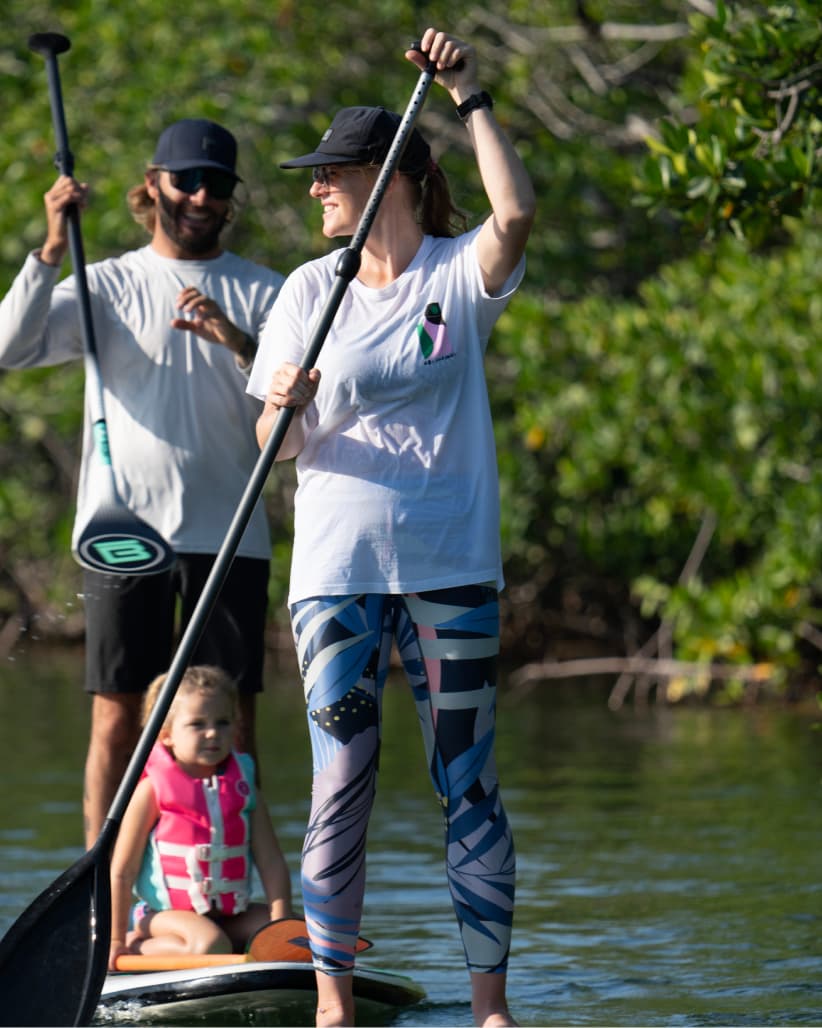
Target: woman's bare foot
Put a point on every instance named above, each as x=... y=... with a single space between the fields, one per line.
x=335 y=1000
x=488 y=1003
x=498 y=1019
x=334 y=1015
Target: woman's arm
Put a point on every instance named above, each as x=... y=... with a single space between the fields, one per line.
x=507 y=184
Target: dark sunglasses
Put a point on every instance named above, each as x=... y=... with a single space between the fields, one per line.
x=220 y=184
x=326 y=174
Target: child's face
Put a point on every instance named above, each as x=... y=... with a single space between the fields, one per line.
x=201 y=733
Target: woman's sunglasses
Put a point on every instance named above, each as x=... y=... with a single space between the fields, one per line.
x=324 y=174
x=220 y=184
x=327 y=174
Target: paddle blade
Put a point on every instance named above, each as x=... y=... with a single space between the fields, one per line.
x=117 y=542
x=53 y=959
x=287 y=939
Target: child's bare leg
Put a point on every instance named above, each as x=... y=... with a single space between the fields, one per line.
x=178 y=931
x=488 y=1002
x=335 y=1000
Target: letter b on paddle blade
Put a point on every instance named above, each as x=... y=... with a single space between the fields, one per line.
x=121 y=554
x=118 y=543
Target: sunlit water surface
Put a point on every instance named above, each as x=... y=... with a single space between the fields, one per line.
x=668 y=860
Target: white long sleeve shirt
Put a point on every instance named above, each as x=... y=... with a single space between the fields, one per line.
x=180 y=424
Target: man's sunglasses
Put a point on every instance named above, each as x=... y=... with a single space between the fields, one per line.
x=220 y=184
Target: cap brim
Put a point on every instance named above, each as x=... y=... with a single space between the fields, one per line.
x=314 y=160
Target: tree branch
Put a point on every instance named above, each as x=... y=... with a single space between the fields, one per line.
x=579 y=51
x=660 y=641
x=642 y=670
x=589 y=667
x=704 y=7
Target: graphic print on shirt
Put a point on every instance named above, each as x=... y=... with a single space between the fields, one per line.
x=433 y=335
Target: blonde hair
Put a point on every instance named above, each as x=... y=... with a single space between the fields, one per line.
x=203 y=678
x=141 y=207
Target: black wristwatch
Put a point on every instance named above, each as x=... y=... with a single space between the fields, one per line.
x=473 y=103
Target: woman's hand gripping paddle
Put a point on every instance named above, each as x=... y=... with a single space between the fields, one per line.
x=115 y=540
x=54 y=957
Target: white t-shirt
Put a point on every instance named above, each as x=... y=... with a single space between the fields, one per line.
x=397 y=481
x=180 y=424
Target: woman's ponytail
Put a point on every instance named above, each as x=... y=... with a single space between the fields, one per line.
x=436 y=212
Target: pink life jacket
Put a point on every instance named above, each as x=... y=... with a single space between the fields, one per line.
x=199 y=851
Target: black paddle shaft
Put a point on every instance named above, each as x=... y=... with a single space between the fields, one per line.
x=35 y=991
x=346 y=269
x=49 y=45
x=115 y=539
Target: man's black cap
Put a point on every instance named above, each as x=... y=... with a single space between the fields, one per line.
x=196 y=143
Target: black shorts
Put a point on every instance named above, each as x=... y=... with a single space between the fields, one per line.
x=132 y=631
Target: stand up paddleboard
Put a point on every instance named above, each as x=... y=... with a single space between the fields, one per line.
x=238 y=993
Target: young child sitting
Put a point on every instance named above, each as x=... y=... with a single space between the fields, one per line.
x=193 y=828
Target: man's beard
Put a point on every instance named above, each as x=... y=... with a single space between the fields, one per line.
x=195 y=244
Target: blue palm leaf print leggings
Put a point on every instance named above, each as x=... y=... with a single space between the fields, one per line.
x=448 y=641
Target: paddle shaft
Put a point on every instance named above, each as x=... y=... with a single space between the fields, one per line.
x=347 y=268
x=49 y=44
x=71 y=919
x=115 y=540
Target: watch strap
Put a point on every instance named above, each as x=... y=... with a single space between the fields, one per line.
x=473 y=103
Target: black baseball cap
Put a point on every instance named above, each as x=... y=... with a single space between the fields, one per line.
x=196 y=143
x=363 y=135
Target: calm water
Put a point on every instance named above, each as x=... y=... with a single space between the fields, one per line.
x=669 y=861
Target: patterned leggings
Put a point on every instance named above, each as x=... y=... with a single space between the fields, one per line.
x=448 y=641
